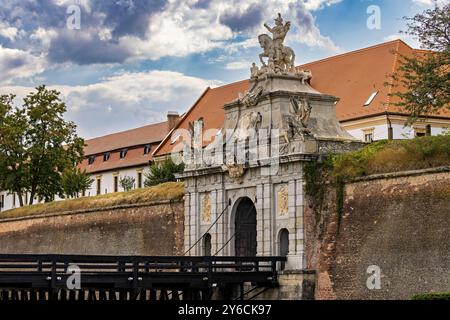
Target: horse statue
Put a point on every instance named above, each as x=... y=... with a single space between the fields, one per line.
x=288 y=55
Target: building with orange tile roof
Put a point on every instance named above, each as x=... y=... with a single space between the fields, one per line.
x=358 y=78
x=365 y=109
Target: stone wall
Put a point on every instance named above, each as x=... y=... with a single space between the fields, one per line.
x=399 y=222
x=140 y=229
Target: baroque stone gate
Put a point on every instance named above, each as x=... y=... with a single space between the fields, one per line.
x=245 y=191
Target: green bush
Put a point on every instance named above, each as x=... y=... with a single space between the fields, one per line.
x=393 y=156
x=162 y=172
x=432 y=296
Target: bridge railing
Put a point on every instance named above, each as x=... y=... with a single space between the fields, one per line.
x=136 y=264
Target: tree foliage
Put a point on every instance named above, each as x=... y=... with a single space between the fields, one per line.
x=162 y=172
x=37 y=145
x=127 y=183
x=426 y=75
x=74 y=181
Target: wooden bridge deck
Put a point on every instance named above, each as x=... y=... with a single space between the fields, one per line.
x=46 y=277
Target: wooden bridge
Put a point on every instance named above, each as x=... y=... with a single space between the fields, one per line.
x=106 y=278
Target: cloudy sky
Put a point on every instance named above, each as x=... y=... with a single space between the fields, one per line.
x=120 y=64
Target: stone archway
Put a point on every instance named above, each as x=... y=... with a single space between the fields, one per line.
x=245 y=244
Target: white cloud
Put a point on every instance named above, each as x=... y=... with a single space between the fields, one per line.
x=431 y=2
x=238 y=65
x=8 y=32
x=16 y=64
x=126 y=100
x=319 y=4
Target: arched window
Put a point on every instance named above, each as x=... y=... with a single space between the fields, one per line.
x=207 y=245
x=284 y=245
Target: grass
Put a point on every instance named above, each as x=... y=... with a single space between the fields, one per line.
x=166 y=191
x=432 y=296
x=393 y=156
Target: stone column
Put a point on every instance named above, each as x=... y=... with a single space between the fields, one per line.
x=187 y=222
x=268 y=220
x=260 y=220
x=296 y=233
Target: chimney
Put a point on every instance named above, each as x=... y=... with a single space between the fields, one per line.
x=172 y=119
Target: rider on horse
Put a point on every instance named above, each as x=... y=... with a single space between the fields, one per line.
x=279 y=33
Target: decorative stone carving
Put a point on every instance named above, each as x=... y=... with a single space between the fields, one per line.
x=283 y=201
x=206 y=208
x=248 y=125
x=250 y=99
x=280 y=59
x=235 y=172
x=297 y=120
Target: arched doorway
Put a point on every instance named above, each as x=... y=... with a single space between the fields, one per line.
x=245 y=229
x=207 y=245
x=284 y=245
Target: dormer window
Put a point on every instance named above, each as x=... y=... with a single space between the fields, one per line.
x=371 y=98
x=147 y=149
x=91 y=160
x=123 y=153
x=106 y=156
x=176 y=139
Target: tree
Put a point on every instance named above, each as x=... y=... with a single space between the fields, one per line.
x=37 y=145
x=13 y=156
x=74 y=181
x=127 y=183
x=162 y=172
x=426 y=75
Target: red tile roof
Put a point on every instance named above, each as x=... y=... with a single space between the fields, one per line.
x=135 y=157
x=153 y=133
x=352 y=77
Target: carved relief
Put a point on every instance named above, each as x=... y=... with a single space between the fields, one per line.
x=206 y=208
x=250 y=99
x=296 y=122
x=283 y=201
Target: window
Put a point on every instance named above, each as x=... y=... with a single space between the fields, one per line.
x=116 y=183
x=123 y=153
x=428 y=129
x=14 y=200
x=91 y=160
x=147 y=149
x=207 y=245
x=99 y=186
x=368 y=137
x=371 y=98
x=420 y=132
x=2 y=201
x=106 y=156
x=139 y=182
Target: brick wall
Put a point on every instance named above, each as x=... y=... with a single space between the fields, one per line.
x=400 y=223
x=142 y=229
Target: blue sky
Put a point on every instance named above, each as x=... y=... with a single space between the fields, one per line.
x=120 y=64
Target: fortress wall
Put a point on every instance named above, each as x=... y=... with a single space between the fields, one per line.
x=400 y=223
x=140 y=229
